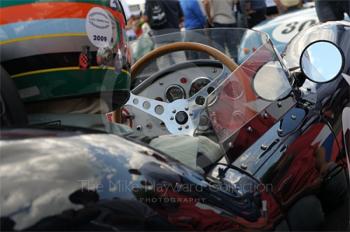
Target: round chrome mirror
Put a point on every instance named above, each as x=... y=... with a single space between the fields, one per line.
x=322 y=61
x=271 y=82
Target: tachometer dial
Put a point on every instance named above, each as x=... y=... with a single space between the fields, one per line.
x=175 y=92
x=198 y=84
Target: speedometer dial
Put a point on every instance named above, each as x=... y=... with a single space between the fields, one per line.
x=175 y=92
x=198 y=84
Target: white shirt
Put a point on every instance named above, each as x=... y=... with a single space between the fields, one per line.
x=290 y=3
x=222 y=11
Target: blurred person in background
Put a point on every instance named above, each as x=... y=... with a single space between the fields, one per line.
x=285 y=6
x=194 y=16
x=130 y=32
x=328 y=10
x=242 y=21
x=221 y=15
x=254 y=10
x=194 y=19
x=134 y=26
x=163 y=16
x=271 y=8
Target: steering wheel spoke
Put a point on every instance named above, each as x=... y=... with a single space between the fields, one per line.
x=177 y=116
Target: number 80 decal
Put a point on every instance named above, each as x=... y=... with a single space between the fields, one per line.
x=286 y=31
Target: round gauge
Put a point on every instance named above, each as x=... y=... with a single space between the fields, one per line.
x=174 y=92
x=198 y=84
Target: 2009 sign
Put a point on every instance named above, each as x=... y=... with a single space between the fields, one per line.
x=100 y=38
x=100 y=27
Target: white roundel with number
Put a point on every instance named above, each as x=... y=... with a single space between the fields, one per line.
x=100 y=27
x=286 y=31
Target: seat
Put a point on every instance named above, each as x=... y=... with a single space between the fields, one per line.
x=12 y=110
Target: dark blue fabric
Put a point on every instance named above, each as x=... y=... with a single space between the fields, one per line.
x=257 y=4
x=194 y=17
x=328 y=10
x=173 y=12
x=226 y=39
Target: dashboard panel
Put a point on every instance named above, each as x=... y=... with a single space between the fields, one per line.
x=182 y=82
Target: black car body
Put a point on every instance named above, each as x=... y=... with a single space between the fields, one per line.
x=289 y=174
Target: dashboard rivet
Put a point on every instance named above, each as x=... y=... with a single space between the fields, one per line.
x=171 y=118
x=191 y=114
x=138 y=127
x=161 y=83
x=186 y=108
x=279 y=104
x=265 y=115
x=244 y=166
x=186 y=127
x=279 y=131
x=264 y=147
x=174 y=111
x=293 y=117
x=250 y=129
x=149 y=125
x=230 y=144
x=180 y=128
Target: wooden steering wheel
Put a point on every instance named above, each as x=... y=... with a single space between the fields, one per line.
x=169 y=48
x=181 y=46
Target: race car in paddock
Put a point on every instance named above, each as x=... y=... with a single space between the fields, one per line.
x=214 y=146
x=283 y=28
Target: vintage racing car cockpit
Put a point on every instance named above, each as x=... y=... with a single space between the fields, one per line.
x=218 y=131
